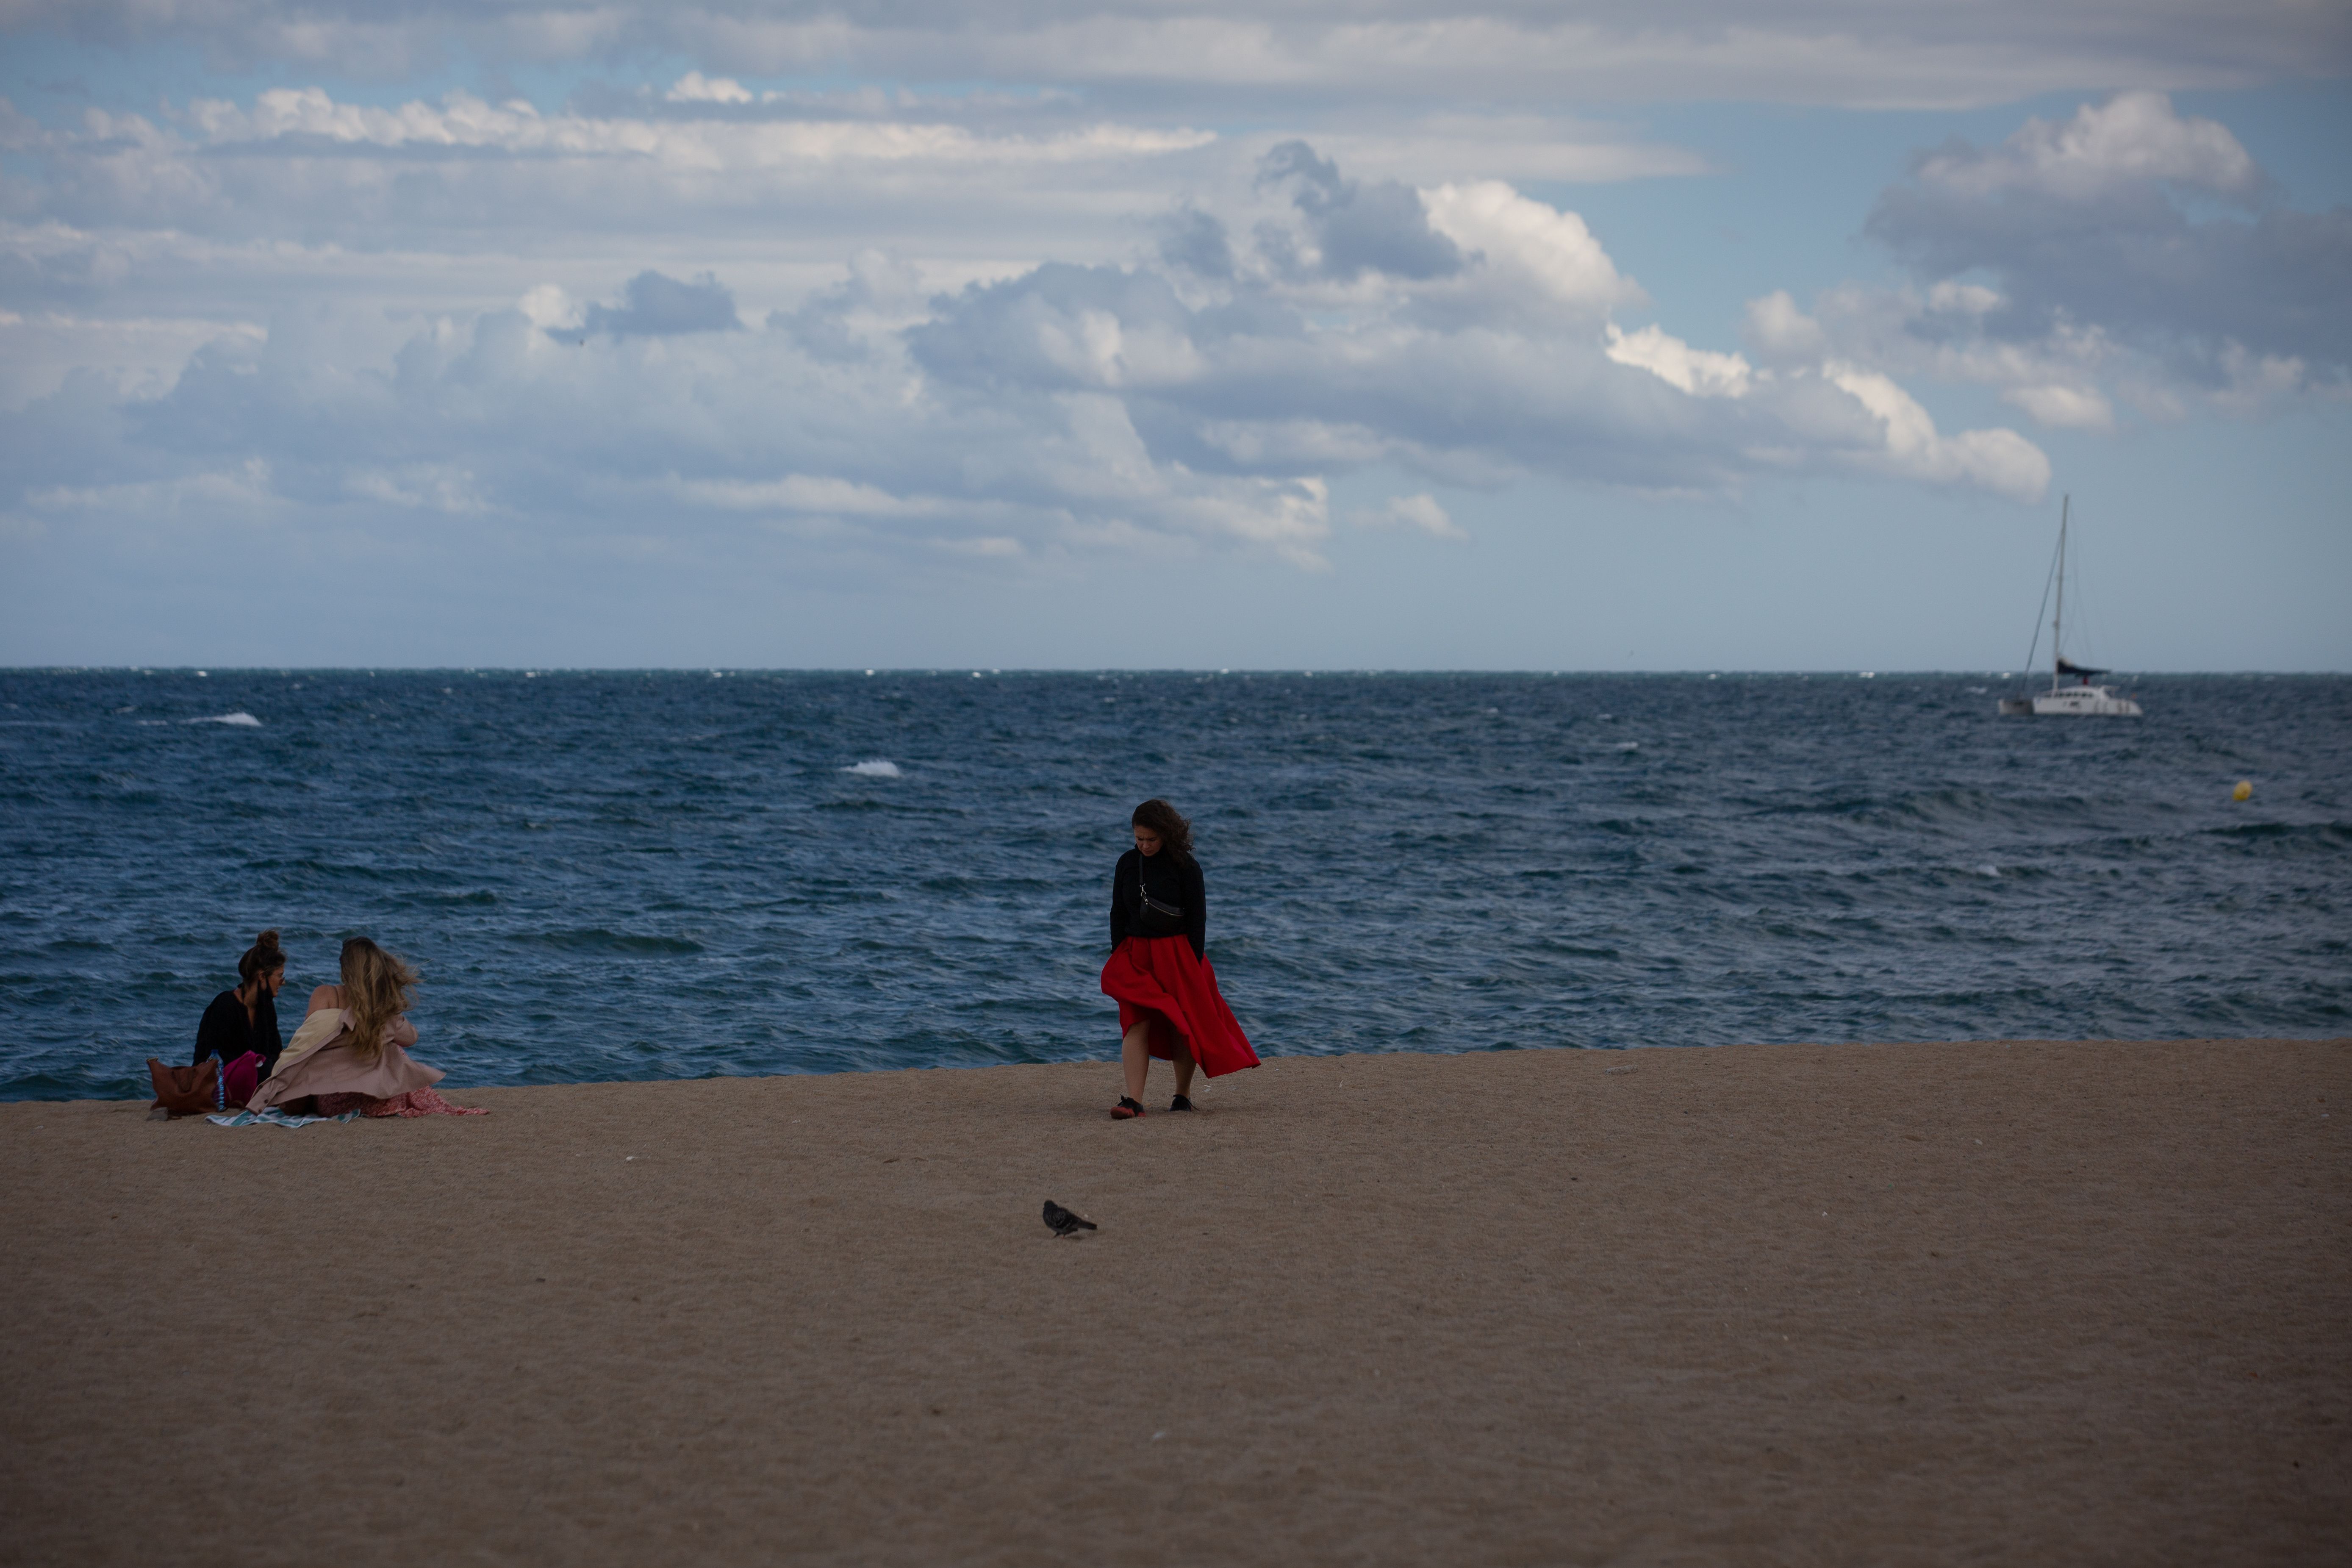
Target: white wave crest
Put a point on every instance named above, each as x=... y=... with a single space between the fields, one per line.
x=239 y=718
x=876 y=768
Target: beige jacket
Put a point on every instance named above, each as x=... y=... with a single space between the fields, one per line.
x=321 y=1059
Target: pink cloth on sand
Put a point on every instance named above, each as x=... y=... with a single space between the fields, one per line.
x=416 y=1102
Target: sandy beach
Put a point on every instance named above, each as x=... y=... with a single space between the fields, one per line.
x=1985 y=1302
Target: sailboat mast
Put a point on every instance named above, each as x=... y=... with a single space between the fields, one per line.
x=2058 y=620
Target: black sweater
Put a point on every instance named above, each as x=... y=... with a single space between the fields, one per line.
x=225 y=1034
x=1174 y=881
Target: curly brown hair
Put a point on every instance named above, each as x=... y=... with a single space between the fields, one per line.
x=1175 y=832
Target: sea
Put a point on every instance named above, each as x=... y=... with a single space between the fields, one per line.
x=635 y=874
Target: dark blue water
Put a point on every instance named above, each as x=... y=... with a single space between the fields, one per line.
x=628 y=876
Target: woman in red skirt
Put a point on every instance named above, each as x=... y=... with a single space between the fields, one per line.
x=1158 y=970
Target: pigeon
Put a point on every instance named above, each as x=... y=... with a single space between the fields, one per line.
x=1062 y=1221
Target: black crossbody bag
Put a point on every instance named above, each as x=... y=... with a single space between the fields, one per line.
x=1153 y=918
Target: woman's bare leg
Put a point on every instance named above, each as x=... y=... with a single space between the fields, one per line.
x=1184 y=1064
x=1135 y=1058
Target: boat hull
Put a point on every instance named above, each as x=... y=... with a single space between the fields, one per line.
x=2074 y=702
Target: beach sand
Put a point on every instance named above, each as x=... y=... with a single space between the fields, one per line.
x=1987 y=1303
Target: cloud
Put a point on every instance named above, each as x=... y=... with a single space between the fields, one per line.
x=2125 y=255
x=135 y=353
x=435 y=487
x=1194 y=241
x=2120 y=222
x=304 y=166
x=692 y=88
x=1528 y=247
x=1999 y=460
x=1065 y=328
x=1698 y=372
x=2064 y=408
x=1419 y=512
x=2132 y=138
x=1063 y=411
x=1355 y=228
x=804 y=494
x=242 y=491
x=296 y=121
x=1277 y=52
x=1777 y=327
x=658 y=306
x=1938 y=335
x=1452 y=146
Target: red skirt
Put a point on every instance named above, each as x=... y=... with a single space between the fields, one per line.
x=1160 y=980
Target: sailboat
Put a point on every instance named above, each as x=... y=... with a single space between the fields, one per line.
x=2071 y=688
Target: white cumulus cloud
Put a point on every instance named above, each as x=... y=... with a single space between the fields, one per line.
x=694 y=88
x=1415 y=511
x=1314 y=326
x=2131 y=138
x=1702 y=373
x=2064 y=408
x=1999 y=460
x=1529 y=246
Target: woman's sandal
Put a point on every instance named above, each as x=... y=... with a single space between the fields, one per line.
x=1180 y=1103
x=1126 y=1110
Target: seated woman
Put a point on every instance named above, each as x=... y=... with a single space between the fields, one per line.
x=351 y=1052
x=245 y=1020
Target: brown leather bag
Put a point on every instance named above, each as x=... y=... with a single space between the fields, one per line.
x=187 y=1091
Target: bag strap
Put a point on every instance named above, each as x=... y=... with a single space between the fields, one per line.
x=1149 y=905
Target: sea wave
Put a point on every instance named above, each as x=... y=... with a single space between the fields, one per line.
x=596 y=939
x=647 y=874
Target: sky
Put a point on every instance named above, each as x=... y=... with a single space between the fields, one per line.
x=1678 y=334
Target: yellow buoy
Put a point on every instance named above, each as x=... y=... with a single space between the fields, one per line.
x=2245 y=791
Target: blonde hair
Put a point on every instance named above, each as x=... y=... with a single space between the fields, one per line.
x=376 y=986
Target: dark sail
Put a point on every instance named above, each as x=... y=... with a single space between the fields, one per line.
x=2068 y=666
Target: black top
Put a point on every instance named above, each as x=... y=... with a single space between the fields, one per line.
x=225 y=1034
x=1174 y=881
